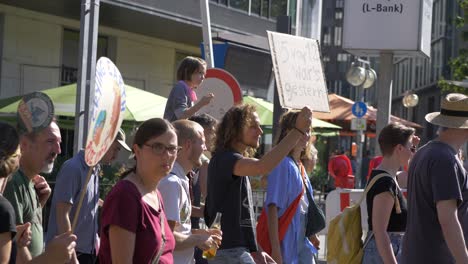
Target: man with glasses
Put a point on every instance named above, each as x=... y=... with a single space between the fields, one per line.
x=68 y=186
x=175 y=189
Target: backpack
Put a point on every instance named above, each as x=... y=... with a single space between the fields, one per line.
x=344 y=243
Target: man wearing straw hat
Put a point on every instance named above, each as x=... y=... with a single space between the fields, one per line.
x=68 y=186
x=437 y=227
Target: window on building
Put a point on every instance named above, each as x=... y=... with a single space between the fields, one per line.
x=343 y=62
x=337 y=37
x=339 y=3
x=256 y=7
x=240 y=4
x=325 y=62
x=339 y=15
x=278 y=8
x=71 y=52
x=265 y=8
x=326 y=36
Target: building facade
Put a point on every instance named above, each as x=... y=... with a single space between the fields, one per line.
x=146 y=40
x=418 y=75
x=421 y=75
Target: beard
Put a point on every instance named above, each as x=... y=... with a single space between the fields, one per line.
x=47 y=168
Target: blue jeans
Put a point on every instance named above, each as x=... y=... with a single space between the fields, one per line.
x=237 y=255
x=371 y=253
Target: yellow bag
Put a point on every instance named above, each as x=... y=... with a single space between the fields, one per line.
x=344 y=243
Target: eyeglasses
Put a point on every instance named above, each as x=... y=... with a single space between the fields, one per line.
x=159 y=148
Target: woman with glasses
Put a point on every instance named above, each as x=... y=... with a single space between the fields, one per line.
x=14 y=239
x=134 y=227
x=181 y=101
x=386 y=206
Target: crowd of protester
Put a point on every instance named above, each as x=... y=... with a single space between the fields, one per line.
x=190 y=167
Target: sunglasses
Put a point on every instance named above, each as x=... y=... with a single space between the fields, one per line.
x=159 y=148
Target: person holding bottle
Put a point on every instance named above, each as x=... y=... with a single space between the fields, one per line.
x=229 y=190
x=176 y=192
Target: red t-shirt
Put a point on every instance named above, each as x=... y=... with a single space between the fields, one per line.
x=124 y=207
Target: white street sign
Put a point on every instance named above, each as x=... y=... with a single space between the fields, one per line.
x=358 y=124
x=400 y=26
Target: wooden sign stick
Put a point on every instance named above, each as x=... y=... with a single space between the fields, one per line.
x=82 y=194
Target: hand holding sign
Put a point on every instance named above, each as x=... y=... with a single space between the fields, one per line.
x=304 y=119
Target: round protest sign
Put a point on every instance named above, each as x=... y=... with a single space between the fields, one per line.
x=226 y=92
x=108 y=110
x=35 y=112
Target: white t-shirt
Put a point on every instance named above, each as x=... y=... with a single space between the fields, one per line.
x=174 y=189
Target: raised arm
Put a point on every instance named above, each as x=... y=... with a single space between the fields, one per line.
x=248 y=166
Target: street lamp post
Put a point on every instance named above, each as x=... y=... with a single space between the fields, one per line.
x=362 y=78
x=409 y=101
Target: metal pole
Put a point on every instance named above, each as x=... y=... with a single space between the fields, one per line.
x=86 y=71
x=359 y=141
x=283 y=25
x=384 y=93
x=206 y=27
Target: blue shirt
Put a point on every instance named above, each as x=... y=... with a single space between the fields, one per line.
x=284 y=185
x=69 y=182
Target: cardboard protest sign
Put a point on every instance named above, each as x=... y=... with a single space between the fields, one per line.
x=226 y=92
x=35 y=112
x=298 y=71
x=108 y=110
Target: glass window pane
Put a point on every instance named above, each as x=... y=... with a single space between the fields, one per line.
x=240 y=4
x=256 y=7
x=278 y=8
x=265 y=8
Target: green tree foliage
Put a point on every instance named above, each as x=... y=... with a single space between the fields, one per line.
x=459 y=65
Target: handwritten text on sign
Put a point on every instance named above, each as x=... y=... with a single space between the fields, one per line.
x=298 y=71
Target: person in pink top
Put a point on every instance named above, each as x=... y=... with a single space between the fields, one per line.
x=182 y=102
x=134 y=227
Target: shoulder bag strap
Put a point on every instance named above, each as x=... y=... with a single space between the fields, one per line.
x=369 y=186
x=163 y=234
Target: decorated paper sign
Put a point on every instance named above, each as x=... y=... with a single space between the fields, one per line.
x=298 y=71
x=35 y=112
x=108 y=110
x=226 y=92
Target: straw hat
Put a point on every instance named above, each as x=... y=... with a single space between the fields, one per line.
x=453 y=112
